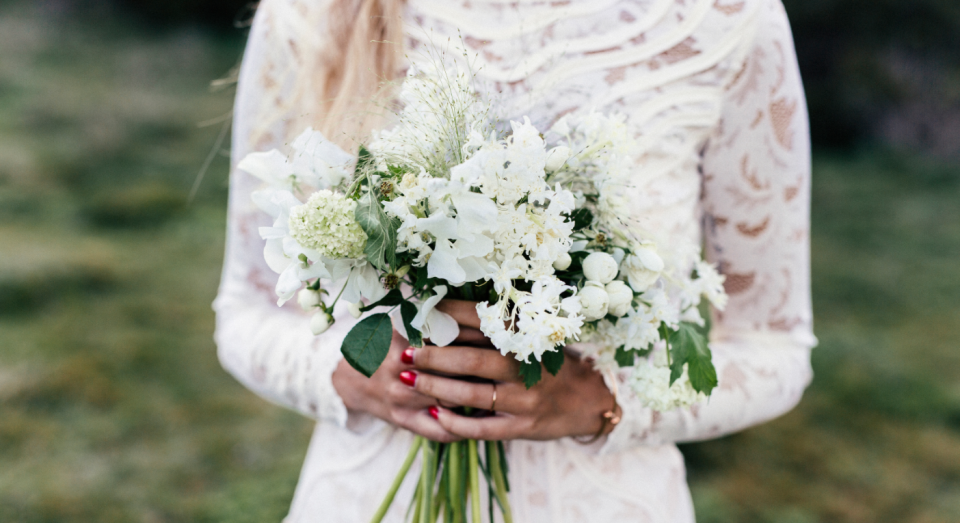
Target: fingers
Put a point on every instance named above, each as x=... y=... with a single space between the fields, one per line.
x=465 y=312
x=471 y=336
x=499 y=427
x=512 y=398
x=464 y=361
x=422 y=422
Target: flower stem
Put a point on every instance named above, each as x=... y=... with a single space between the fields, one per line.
x=497 y=472
x=382 y=511
x=427 y=476
x=474 y=466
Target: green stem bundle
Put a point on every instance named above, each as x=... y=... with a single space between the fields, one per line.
x=448 y=478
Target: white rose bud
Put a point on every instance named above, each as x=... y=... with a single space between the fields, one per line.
x=600 y=267
x=563 y=262
x=354 y=309
x=308 y=299
x=621 y=297
x=556 y=157
x=320 y=322
x=593 y=301
x=643 y=267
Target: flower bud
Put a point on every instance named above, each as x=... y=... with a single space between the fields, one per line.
x=563 y=262
x=308 y=299
x=600 y=267
x=320 y=322
x=593 y=301
x=556 y=157
x=621 y=297
x=643 y=267
x=354 y=309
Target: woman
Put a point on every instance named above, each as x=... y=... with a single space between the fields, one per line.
x=712 y=91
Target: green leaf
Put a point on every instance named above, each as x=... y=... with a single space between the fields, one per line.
x=363 y=159
x=392 y=298
x=409 y=311
x=582 y=218
x=687 y=346
x=530 y=372
x=553 y=360
x=367 y=343
x=381 y=248
x=624 y=358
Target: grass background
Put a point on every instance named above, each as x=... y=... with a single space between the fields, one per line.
x=113 y=407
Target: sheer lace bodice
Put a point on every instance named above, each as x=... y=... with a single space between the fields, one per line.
x=711 y=89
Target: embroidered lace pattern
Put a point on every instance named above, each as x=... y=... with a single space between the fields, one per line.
x=712 y=91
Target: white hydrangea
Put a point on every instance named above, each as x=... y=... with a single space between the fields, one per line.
x=326 y=223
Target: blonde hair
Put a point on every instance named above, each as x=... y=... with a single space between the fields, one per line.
x=336 y=82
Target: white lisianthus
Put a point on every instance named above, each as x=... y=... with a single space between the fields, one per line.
x=621 y=297
x=308 y=299
x=562 y=262
x=600 y=267
x=556 y=157
x=354 y=309
x=711 y=284
x=594 y=301
x=643 y=267
x=320 y=322
x=326 y=223
x=440 y=327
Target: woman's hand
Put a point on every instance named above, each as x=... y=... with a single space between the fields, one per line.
x=385 y=396
x=569 y=404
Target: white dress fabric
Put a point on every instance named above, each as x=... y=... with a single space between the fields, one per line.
x=712 y=91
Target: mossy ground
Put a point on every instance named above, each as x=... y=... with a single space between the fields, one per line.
x=113 y=406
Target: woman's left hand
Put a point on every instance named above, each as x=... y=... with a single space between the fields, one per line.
x=571 y=403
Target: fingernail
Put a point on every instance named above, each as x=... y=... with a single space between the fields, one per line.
x=434 y=412
x=408 y=378
x=407 y=356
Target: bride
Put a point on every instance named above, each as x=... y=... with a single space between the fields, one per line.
x=712 y=91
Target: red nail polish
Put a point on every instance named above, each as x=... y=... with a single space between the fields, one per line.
x=434 y=412
x=408 y=378
x=407 y=356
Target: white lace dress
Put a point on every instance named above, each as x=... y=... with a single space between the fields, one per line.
x=712 y=90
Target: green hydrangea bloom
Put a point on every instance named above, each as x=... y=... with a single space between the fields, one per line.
x=327 y=224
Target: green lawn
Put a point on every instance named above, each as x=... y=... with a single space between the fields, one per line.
x=113 y=406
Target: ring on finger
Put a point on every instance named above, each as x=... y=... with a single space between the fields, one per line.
x=493 y=402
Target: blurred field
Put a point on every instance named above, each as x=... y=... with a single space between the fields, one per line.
x=113 y=406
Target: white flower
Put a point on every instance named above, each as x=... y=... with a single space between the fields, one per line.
x=293 y=262
x=643 y=267
x=327 y=224
x=440 y=327
x=308 y=299
x=651 y=382
x=556 y=157
x=600 y=267
x=319 y=162
x=711 y=284
x=363 y=282
x=316 y=162
x=562 y=262
x=320 y=322
x=354 y=309
x=594 y=301
x=621 y=297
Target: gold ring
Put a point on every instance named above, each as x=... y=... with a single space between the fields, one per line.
x=493 y=404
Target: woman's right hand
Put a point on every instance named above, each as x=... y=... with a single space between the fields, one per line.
x=385 y=396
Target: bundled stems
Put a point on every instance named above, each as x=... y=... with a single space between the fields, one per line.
x=449 y=476
x=382 y=510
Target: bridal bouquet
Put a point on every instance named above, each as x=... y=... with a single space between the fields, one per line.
x=452 y=202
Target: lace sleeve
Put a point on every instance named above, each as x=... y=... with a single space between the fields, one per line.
x=755 y=207
x=269 y=349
